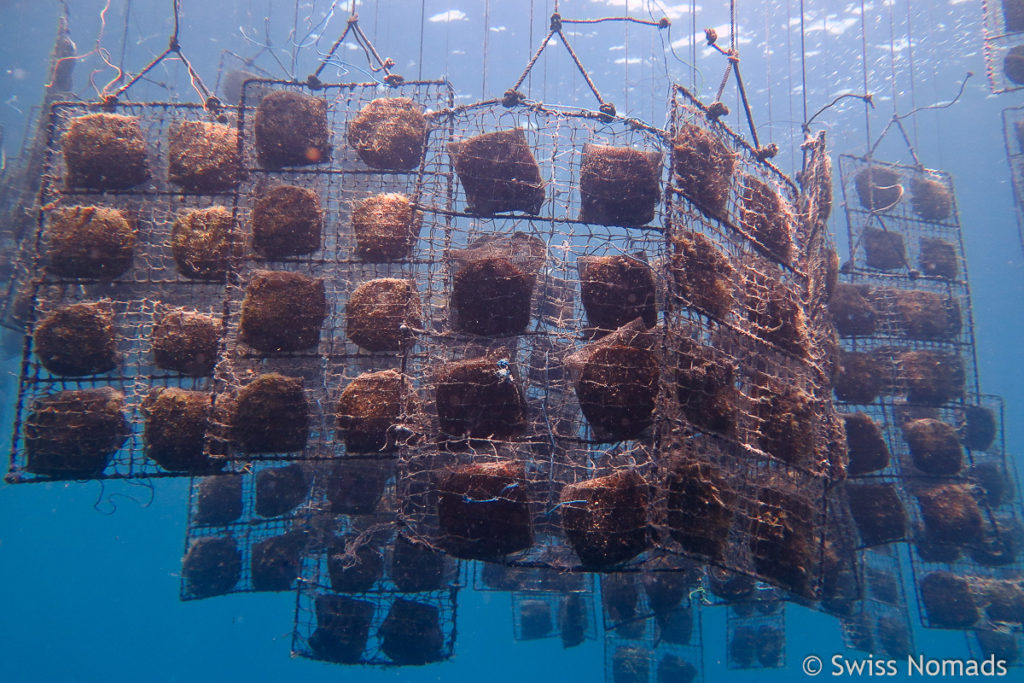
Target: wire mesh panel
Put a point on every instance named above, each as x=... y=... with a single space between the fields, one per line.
x=326 y=284
x=668 y=655
x=371 y=597
x=1013 y=130
x=122 y=330
x=249 y=531
x=1006 y=647
x=881 y=623
x=541 y=291
x=756 y=640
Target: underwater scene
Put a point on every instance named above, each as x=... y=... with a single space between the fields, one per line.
x=630 y=341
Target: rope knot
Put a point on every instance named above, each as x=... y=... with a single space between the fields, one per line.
x=767 y=151
x=717 y=110
x=512 y=98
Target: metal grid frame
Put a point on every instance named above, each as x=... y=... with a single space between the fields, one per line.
x=340 y=181
x=764 y=624
x=1013 y=121
x=997 y=46
x=373 y=654
x=148 y=288
x=884 y=598
x=250 y=527
x=555 y=603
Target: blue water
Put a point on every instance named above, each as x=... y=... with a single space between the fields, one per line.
x=91 y=573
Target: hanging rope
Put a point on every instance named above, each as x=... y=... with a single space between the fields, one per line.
x=210 y=100
x=867 y=97
x=719 y=109
x=910 y=57
x=513 y=96
x=423 y=23
x=487 y=30
x=892 y=57
x=373 y=58
x=124 y=38
x=864 y=63
x=897 y=120
x=803 y=60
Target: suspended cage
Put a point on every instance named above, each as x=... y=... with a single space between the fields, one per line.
x=534 y=387
x=108 y=308
x=881 y=621
x=955 y=599
x=329 y=307
x=758 y=640
x=655 y=658
x=367 y=595
x=545 y=603
x=1005 y=646
x=261 y=516
x=1004 y=56
x=878 y=510
x=1013 y=140
x=541 y=614
x=748 y=424
x=375 y=629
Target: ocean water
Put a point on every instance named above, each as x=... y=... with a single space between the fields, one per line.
x=92 y=570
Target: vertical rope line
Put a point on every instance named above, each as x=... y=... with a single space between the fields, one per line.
x=423 y=23
x=544 y=86
x=376 y=12
x=892 y=57
x=789 y=77
x=529 y=51
x=625 y=69
x=910 y=58
x=732 y=48
x=487 y=30
x=768 y=68
x=693 y=45
x=732 y=24
x=295 y=35
x=124 y=37
x=803 y=59
x=864 y=64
